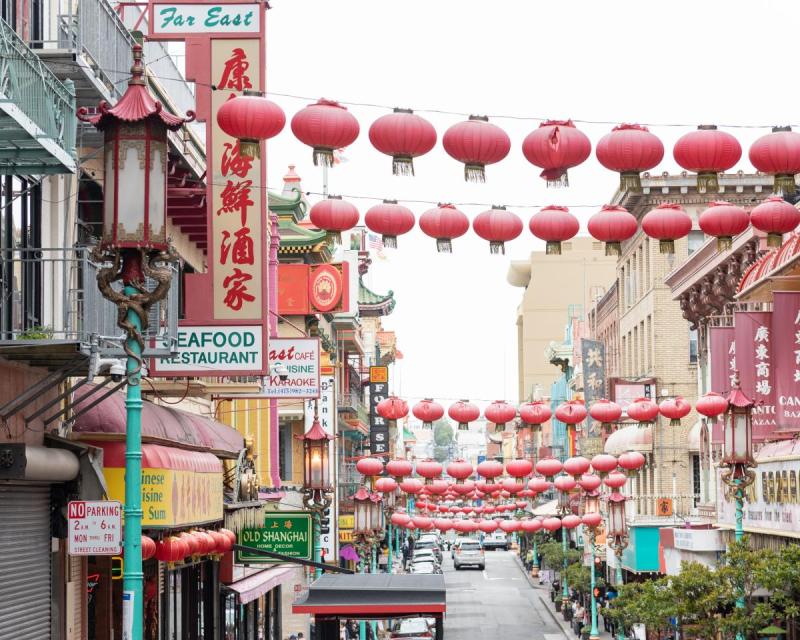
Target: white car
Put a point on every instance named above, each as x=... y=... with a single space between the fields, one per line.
x=413 y=629
x=496 y=540
x=425 y=568
x=469 y=553
x=424 y=555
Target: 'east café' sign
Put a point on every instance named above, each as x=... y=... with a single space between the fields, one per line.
x=300 y=357
x=209 y=351
x=205 y=18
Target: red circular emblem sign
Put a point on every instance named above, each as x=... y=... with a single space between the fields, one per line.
x=325 y=288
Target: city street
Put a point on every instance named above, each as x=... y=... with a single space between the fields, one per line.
x=496 y=603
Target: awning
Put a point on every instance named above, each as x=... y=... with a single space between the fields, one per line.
x=546 y=509
x=374 y=595
x=251 y=587
x=160 y=425
x=633 y=438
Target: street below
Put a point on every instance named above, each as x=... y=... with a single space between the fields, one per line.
x=496 y=603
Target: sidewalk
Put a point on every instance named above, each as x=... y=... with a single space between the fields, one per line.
x=543 y=595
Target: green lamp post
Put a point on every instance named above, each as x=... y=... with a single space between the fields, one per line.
x=134 y=246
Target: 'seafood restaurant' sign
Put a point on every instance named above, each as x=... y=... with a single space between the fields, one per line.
x=179 y=18
x=204 y=351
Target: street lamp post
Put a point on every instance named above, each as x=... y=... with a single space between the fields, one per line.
x=592 y=520
x=134 y=242
x=364 y=533
x=316 y=478
x=738 y=460
x=618 y=533
x=564 y=509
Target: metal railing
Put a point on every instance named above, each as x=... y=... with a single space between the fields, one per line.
x=27 y=83
x=352 y=403
x=52 y=294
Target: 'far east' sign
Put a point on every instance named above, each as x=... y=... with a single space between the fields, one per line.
x=205 y=18
x=214 y=351
x=285 y=532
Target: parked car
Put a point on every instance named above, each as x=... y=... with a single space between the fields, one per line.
x=469 y=553
x=425 y=567
x=412 y=629
x=431 y=544
x=496 y=540
x=424 y=555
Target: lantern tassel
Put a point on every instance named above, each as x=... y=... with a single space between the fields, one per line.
x=613 y=248
x=724 y=243
x=474 y=173
x=390 y=242
x=323 y=157
x=249 y=148
x=675 y=422
x=555 y=177
x=707 y=181
x=463 y=426
x=444 y=245
x=774 y=239
x=402 y=166
x=784 y=183
x=335 y=236
x=553 y=247
x=630 y=181
x=666 y=246
x=497 y=247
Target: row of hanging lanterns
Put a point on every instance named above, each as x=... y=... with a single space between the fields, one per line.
x=176 y=548
x=612 y=225
x=533 y=414
x=554 y=147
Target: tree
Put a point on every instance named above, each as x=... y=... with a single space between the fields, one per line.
x=650 y=603
x=553 y=555
x=698 y=596
x=443 y=440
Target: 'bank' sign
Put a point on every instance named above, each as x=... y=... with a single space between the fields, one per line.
x=215 y=351
x=182 y=18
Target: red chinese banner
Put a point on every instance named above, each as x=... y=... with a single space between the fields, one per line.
x=786 y=333
x=722 y=348
x=754 y=359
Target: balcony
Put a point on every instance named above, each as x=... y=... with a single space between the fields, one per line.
x=37 y=112
x=52 y=314
x=351 y=407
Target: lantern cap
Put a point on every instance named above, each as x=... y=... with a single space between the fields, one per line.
x=136 y=105
x=737 y=397
x=315 y=433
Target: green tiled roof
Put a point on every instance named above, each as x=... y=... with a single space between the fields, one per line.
x=374 y=304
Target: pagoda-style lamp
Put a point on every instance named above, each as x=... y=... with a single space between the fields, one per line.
x=134 y=242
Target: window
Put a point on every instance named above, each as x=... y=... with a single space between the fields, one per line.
x=285 y=452
x=693 y=346
x=696 y=240
x=696 y=478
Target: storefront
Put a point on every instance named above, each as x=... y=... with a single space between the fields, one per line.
x=251 y=606
x=695 y=544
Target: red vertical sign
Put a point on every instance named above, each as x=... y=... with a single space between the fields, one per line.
x=722 y=347
x=786 y=331
x=754 y=360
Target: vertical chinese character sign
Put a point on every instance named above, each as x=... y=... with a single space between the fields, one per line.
x=754 y=360
x=786 y=333
x=593 y=357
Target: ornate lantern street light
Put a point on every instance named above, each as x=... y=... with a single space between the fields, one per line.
x=316 y=478
x=388 y=488
x=618 y=534
x=592 y=520
x=134 y=241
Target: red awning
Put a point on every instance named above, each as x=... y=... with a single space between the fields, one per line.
x=155 y=456
x=251 y=587
x=160 y=425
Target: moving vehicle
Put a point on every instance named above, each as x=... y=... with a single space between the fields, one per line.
x=412 y=629
x=457 y=542
x=496 y=540
x=469 y=553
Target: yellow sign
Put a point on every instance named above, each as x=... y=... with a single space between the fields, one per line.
x=347 y=521
x=345 y=536
x=379 y=374
x=172 y=497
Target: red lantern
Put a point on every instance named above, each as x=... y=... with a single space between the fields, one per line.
x=385 y=485
x=208 y=544
x=463 y=412
x=428 y=412
x=552 y=524
x=369 y=467
x=403 y=135
x=171 y=549
x=194 y=544
x=723 y=220
x=555 y=147
x=231 y=535
x=674 y=409
x=512 y=486
x=411 y=486
x=613 y=224
x=534 y=413
x=487 y=526
x=539 y=485
x=602 y=463
x=629 y=149
x=707 y=152
x=592 y=520
x=325 y=126
x=531 y=526
x=490 y=469
x=775 y=217
x=666 y=223
x=462 y=487
x=400 y=519
x=565 y=484
x=498 y=226
x=399 y=468
x=519 y=468
x=500 y=412
x=509 y=526
x=571 y=412
x=250 y=118
x=570 y=521
x=460 y=470
x=429 y=469
x=589 y=482
x=443 y=525
x=643 y=410
x=631 y=462
x=390 y=220
x=444 y=223
x=421 y=522
x=148 y=548
x=606 y=412
x=778 y=154
x=554 y=225
x=576 y=466
x=615 y=480
x=712 y=405
x=334 y=215
x=476 y=142
x=221 y=542
x=392 y=408
x=548 y=467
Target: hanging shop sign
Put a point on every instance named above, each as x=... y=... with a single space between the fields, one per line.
x=722 y=350
x=593 y=357
x=754 y=360
x=300 y=358
x=305 y=289
x=624 y=392
x=287 y=532
x=378 y=426
x=786 y=358
x=171 y=19
x=95 y=527
x=214 y=350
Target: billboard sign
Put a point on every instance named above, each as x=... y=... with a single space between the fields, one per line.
x=300 y=358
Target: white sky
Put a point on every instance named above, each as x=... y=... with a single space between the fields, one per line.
x=694 y=62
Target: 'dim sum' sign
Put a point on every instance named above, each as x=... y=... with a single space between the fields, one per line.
x=208 y=18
